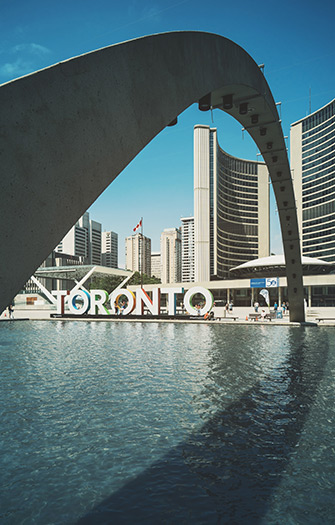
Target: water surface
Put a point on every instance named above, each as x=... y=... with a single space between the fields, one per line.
x=166 y=423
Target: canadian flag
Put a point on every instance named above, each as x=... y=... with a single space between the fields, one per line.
x=138 y=226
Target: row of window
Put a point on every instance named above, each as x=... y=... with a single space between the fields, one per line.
x=238 y=210
x=309 y=138
x=240 y=180
x=314 y=146
x=319 y=232
x=317 y=211
x=315 y=197
x=321 y=220
x=321 y=155
x=233 y=259
x=316 y=175
x=237 y=165
x=317 y=242
x=236 y=250
x=225 y=197
x=319 y=180
x=319 y=117
x=227 y=183
x=321 y=254
x=321 y=185
x=323 y=163
x=309 y=201
x=247 y=217
x=234 y=228
x=228 y=237
x=224 y=241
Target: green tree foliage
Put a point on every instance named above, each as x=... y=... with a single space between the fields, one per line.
x=136 y=279
x=110 y=282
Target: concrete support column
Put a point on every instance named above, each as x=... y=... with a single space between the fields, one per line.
x=252 y=296
x=279 y=296
x=309 y=296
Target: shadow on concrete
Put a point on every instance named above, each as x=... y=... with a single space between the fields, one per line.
x=227 y=471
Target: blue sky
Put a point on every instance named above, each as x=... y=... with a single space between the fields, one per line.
x=295 y=41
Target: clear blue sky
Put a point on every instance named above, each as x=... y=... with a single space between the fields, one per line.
x=294 y=39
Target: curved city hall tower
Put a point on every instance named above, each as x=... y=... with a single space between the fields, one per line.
x=231 y=208
x=313 y=170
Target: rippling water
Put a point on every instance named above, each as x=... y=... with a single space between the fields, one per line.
x=166 y=423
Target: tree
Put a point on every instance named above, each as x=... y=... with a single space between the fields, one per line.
x=108 y=283
x=136 y=279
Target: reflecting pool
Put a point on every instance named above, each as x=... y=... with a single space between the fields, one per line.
x=166 y=423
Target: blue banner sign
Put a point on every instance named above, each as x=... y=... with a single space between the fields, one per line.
x=257 y=283
x=268 y=282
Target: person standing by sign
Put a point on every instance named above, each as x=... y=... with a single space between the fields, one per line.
x=10 y=311
x=116 y=307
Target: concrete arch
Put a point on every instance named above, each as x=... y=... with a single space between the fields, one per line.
x=67 y=131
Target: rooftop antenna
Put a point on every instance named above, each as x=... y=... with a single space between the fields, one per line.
x=310 y=101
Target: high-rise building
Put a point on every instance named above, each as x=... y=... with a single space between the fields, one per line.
x=95 y=242
x=83 y=240
x=171 y=256
x=109 y=249
x=231 y=208
x=187 y=249
x=313 y=172
x=138 y=253
x=156 y=265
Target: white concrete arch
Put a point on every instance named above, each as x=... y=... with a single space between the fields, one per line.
x=67 y=131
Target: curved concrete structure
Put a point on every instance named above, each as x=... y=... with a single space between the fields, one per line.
x=67 y=131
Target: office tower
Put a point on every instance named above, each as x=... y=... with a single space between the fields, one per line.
x=156 y=265
x=313 y=172
x=109 y=249
x=187 y=249
x=95 y=242
x=138 y=253
x=171 y=256
x=83 y=240
x=231 y=208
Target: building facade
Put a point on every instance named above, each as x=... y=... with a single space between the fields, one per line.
x=156 y=265
x=95 y=242
x=231 y=208
x=171 y=256
x=138 y=253
x=83 y=240
x=187 y=249
x=109 y=249
x=313 y=171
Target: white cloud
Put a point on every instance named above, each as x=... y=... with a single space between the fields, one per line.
x=22 y=59
x=17 y=68
x=35 y=49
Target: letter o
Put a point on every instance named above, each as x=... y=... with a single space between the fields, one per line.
x=115 y=296
x=209 y=299
x=86 y=302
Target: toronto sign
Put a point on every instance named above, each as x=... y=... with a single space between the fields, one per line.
x=99 y=302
